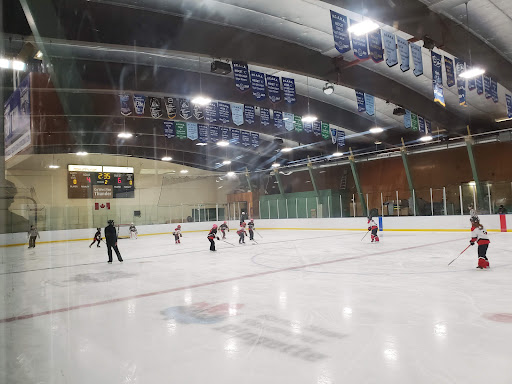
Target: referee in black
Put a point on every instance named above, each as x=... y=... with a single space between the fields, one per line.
x=111 y=239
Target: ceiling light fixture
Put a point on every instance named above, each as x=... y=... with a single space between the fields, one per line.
x=166 y=158
x=184 y=171
x=309 y=118
x=363 y=27
x=378 y=142
x=376 y=130
x=471 y=73
x=124 y=135
x=18 y=65
x=426 y=138
x=503 y=119
x=286 y=149
x=223 y=143
x=4 y=63
x=275 y=165
x=39 y=55
x=52 y=166
x=328 y=88
x=226 y=162
x=201 y=100
x=337 y=154
x=81 y=153
x=201 y=144
x=230 y=174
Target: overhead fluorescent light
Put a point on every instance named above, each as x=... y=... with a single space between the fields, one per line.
x=378 y=142
x=201 y=100
x=309 y=118
x=52 y=166
x=124 y=135
x=201 y=144
x=166 y=158
x=226 y=162
x=376 y=130
x=426 y=138
x=328 y=88
x=223 y=143
x=287 y=149
x=18 y=65
x=503 y=119
x=337 y=154
x=184 y=171
x=471 y=73
x=4 y=63
x=275 y=165
x=81 y=153
x=363 y=27
x=231 y=174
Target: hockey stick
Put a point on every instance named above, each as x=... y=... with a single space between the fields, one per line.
x=224 y=241
x=365 y=235
x=460 y=254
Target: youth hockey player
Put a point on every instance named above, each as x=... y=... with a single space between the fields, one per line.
x=97 y=238
x=372 y=226
x=211 y=236
x=251 y=229
x=33 y=233
x=479 y=236
x=223 y=228
x=177 y=234
x=133 y=231
x=111 y=240
x=241 y=232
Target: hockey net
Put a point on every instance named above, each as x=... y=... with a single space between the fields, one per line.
x=123 y=231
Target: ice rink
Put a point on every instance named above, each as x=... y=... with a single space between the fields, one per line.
x=317 y=307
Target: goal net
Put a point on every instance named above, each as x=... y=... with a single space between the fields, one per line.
x=123 y=231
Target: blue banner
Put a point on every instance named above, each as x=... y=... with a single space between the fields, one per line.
x=390 y=47
x=255 y=139
x=169 y=129
x=246 y=138
x=288 y=119
x=224 y=112
x=437 y=78
x=278 y=119
x=359 y=44
x=508 y=98
x=317 y=128
x=264 y=116
x=339 y=32
x=334 y=135
x=235 y=136
x=479 y=85
x=417 y=59
x=494 y=90
x=428 y=127
x=361 y=106
x=403 y=49
x=237 y=113
x=124 y=100
x=450 y=75
x=192 y=131
x=139 y=103
x=211 y=112
x=258 y=85
x=407 y=119
x=241 y=74
x=487 y=87
x=273 y=88
x=341 y=138
x=202 y=130
x=375 y=46
x=214 y=133
x=369 y=102
x=249 y=114
x=185 y=110
x=471 y=82
x=421 y=124
x=225 y=133
x=461 y=82
x=308 y=127
x=289 y=90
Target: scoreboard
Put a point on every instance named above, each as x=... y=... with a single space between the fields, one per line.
x=100 y=182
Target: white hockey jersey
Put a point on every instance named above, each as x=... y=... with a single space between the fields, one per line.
x=479 y=235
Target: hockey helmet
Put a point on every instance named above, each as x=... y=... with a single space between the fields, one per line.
x=225 y=222
x=474 y=220
x=214 y=226
x=242 y=224
x=179 y=226
x=99 y=229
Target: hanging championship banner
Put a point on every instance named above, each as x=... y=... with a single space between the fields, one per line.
x=334 y=135
x=494 y=90
x=241 y=74
x=421 y=124
x=214 y=133
x=225 y=133
x=237 y=113
x=479 y=85
x=169 y=129
x=124 y=100
x=403 y=49
x=202 y=130
x=508 y=98
x=339 y=32
x=249 y=114
x=155 y=107
x=185 y=110
x=437 y=78
x=369 y=102
x=487 y=87
x=341 y=138
x=197 y=111
x=288 y=121
x=289 y=90
x=235 y=136
x=139 y=102
x=308 y=127
x=359 y=44
x=258 y=85
x=297 y=122
x=273 y=88
x=390 y=47
x=255 y=139
x=428 y=127
x=224 y=112
x=170 y=107
x=461 y=82
x=417 y=59
x=211 y=112
x=264 y=116
x=450 y=75
x=325 y=131
x=471 y=82
x=246 y=138
x=407 y=119
x=192 y=131
x=181 y=130
x=361 y=106
x=375 y=46
x=278 y=119
x=414 y=122
x=317 y=128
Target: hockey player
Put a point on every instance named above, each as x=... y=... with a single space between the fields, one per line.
x=97 y=238
x=111 y=240
x=223 y=228
x=177 y=234
x=251 y=229
x=372 y=226
x=133 y=231
x=479 y=236
x=241 y=232
x=33 y=233
x=211 y=236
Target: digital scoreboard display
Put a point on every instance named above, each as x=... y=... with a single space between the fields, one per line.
x=100 y=182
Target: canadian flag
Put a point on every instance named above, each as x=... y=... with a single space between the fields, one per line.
x=98 y=206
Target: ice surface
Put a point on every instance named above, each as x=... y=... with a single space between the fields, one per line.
x=318 y=307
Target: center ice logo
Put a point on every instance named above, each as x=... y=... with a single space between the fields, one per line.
x=201 y=313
